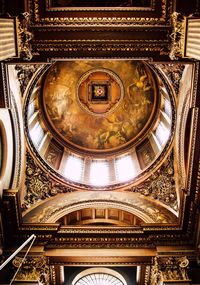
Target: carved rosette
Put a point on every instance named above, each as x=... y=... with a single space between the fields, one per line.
x=33 y=269
x=169 y=269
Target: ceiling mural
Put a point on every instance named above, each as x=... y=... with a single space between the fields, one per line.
x=83 y=102
x=100 y=3
x=52 y=209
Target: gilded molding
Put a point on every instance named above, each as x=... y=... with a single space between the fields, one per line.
x=5 y=84
x=146 y=46
x=49 y=7
x=195 y=84
x=53 y=275
x=177 y=36
x=126 y=261
x=34 y=6
x=195 y=121
x=24 y=36
x=17 y=175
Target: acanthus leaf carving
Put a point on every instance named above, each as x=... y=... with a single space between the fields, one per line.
x=160 y=185
x=39 y=185
x=169 y=269
x=33 y=269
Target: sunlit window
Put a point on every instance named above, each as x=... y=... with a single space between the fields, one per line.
x=99 y=276
x=37 y=134
x=99 y=173
x=73 y=168
x=125 y=169
x=162 y=133
x=31 y=108
x=168 y=109
x=99 y=279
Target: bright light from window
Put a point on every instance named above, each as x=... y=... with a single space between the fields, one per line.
x=37 y=134
x=73 y=168
x=99 y=279
x=99 y=173
x=31 y=108
x=168 y=109
x=162 y=133
x=125 y=169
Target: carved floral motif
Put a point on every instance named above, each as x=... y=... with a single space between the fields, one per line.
x=25 y=36
x=173 y=72
x=25 y=73
x=39 y=185
x=169 y=268
x=177 y=36
x=33 y=269
x=161 y=185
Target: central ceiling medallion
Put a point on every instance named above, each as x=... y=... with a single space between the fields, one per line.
x=100 y=91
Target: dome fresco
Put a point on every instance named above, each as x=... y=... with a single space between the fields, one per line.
x=99 y=105
x=98 y=124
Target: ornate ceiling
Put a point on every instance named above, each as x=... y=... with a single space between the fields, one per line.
x=104 y=132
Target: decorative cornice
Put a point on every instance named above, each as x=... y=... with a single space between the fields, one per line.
x=49 y=7
x=145 y=46
x=110 y=21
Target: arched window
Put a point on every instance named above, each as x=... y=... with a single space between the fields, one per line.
x=99 y=276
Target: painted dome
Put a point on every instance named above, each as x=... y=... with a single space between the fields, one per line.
x=99 y=105
x=99 y=124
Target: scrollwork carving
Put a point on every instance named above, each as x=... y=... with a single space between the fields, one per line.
x=35 y=269
x=39 y=185
x=25 y=73
x=160 y=185
x=169 y=268
x=174 y=73
x=25 y=36
x=177 y=36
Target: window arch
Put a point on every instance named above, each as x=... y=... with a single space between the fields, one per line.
x=99 y=276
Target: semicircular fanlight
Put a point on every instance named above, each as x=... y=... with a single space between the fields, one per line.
x=99 y=279
x=99 y=276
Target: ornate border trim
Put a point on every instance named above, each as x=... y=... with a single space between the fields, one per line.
x=101 y=21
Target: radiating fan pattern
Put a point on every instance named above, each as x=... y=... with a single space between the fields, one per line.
x=99 y=279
